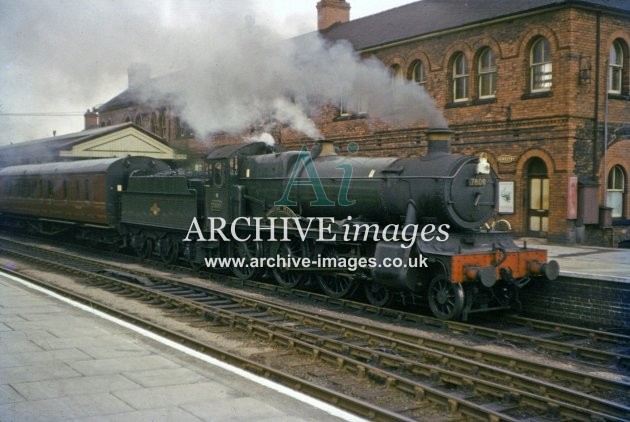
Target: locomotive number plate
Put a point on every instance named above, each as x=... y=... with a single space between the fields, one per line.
x=216 y=205
x=477 y=181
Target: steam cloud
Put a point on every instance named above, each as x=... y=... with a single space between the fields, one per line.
x=223 y=69
x=253 y=77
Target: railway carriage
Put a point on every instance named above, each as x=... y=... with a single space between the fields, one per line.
x=53 y=198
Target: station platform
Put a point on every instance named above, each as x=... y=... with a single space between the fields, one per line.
x=60 y=363
x=588 y=262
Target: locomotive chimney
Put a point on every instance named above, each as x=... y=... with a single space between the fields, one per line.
x=439 y=140
x=323 y=148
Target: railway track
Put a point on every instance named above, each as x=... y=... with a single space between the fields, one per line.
x=471 y=381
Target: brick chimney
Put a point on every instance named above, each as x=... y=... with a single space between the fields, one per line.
x=330 y=12
x=137 y=74
x=91 y=119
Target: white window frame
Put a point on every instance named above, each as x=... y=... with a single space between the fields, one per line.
x=460 y=77
x=418 y=74
x=543 y=67
x=615 y=190
x=487 y=70
x=615 y=68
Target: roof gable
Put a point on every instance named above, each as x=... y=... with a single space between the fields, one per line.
x=109 y=141
x=127 y=141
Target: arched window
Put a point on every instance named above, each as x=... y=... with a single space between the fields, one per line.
x=138 y=119
x=540 y=66
x=395 y=72
x=615 y=190
x=615 y=68
x=162 y=125
x=487 y=74
x=154 y=127
x=460 y=78
x=178 y=128
x=417 y=73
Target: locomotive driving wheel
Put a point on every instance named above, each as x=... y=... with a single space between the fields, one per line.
x=335 y=285
x=293 y=250
x=446 y=299
x=378 y=294
x=247 y=251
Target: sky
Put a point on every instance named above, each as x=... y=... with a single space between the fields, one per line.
x=61 y=57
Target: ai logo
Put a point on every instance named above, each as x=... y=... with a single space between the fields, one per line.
x=312 y=179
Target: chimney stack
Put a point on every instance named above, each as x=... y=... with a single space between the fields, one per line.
x=439 y=140
x=137 y=74
x=91 y=119
x=330 y=12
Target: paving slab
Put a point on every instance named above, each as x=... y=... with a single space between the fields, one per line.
x=590 y=262
x=60 y=363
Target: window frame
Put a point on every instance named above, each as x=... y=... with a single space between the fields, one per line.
x=463 y=77
x=422 y=81
x=616 y=176
x=534 y=65
x=615 y=71
x=487 y=72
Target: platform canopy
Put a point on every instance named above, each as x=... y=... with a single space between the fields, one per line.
x=103 y=142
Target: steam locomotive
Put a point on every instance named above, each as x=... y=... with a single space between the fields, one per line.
x=391 y=227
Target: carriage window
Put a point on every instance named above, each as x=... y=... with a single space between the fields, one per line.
x=64 y=191
x=217 y=174
x=50 y=189
x=86 y=192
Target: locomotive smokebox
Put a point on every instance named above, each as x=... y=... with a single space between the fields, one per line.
x=439 y=140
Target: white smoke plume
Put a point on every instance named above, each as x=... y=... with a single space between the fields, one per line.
x=217 y=61
x=252 y=77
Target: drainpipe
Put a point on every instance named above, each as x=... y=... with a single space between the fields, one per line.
x=604 y=178
x=596 y=119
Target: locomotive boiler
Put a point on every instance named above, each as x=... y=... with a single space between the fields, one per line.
x=438 y=188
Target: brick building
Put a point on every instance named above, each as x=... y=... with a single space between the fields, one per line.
x=541 y=87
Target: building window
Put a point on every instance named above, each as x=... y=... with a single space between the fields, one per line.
x=615 y=68
x=615 y=190
x=138 y=120
x=460 y=78
x=540 y=66
x=182 y=130
x=344 y=108
x=356 y=105
x=417 y=73
x=487 y=74
x=162 y=125
x=154 y=128
x=395 y=73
